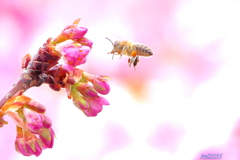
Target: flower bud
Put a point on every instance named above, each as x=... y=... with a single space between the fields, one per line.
x=81 y=103
x=86 y=90
x=21 y=147
x=95 y=106
x=72 y=32
x=46 y=122
x=34 y=146
x=100 y=84
x=47 y=137
x=78 y=100
x=35 y=106
x=27 y=144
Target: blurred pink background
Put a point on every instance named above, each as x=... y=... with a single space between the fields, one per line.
x=179 y=104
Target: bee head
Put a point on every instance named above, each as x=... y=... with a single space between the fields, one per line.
x=115 y=44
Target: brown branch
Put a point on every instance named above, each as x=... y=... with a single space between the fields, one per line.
x=24 y=83
x=35 y=70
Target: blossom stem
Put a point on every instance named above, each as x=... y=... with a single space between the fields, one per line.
x=24 y=83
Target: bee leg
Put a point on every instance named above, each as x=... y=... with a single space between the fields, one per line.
x=124 y=52
x=120 y=56
x=112 y=56
x=136 y=62
x=131 y=60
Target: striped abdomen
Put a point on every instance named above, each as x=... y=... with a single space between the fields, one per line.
x=143 y=50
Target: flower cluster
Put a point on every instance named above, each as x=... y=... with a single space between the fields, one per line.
x=34 y=132
x=76 y=46
x=85 y=93
x=82 y=87
x=34 y=129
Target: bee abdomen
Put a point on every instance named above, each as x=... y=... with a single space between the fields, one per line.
x=143 y=50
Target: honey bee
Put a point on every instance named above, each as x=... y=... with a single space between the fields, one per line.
x=130 y=49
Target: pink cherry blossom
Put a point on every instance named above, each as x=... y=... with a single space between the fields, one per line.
x=86 y=90
x=34 y=132
x=95 y=106
x=75 y=55
x=81 y=103
x=74 y=32
x=47 y=137
x=71 y=32
x=33 y=120
x=101 y=85
x=34 y=128
x=28 y=148
x=85 y=42
x=86 y=98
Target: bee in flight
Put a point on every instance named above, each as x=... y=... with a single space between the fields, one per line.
x=131 y=50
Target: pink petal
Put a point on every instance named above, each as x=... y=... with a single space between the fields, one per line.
x=86 y=90
x=46 y=122
x=101 y=85
x=33 y=147
x=21 y=147
x=90 y=113
x=85 y=42
x=81 y=103
x=68 y=68
x=95 y=106
x=103 y=101
x=34 y=120
x=33 y=105
x=75 y=55
x=75 y=33
x=47 y=137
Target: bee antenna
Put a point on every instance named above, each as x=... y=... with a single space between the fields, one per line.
x=109 y=40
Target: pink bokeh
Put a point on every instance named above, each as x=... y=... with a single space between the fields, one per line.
x=166 y=137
